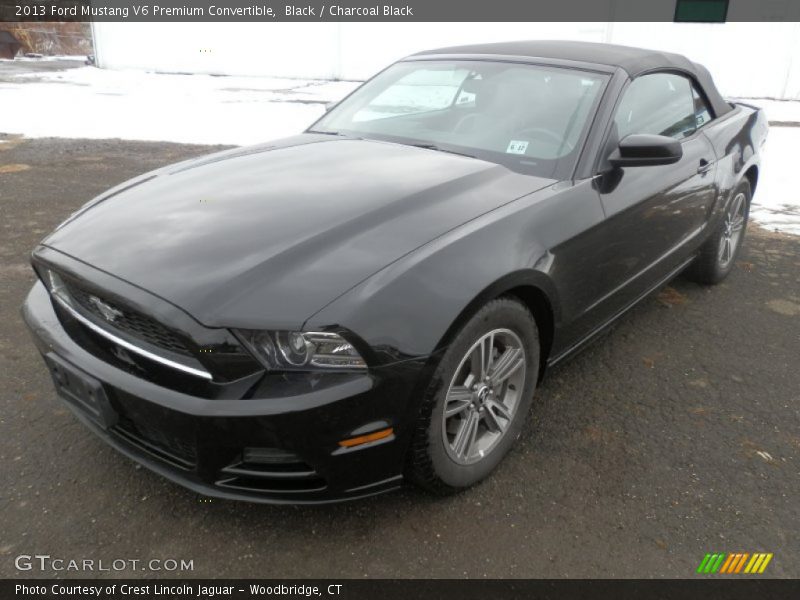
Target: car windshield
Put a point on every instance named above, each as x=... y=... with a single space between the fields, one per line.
x=529 y=118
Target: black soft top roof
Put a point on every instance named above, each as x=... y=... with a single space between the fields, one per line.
x=634 y=61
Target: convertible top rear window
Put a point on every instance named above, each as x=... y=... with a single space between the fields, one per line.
x=530 y=118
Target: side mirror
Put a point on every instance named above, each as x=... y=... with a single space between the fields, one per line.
x=330 y=105
x=645 y=150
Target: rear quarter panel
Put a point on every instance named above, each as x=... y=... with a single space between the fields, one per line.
x=737 y=139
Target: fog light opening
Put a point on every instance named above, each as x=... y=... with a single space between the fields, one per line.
x=268 y=456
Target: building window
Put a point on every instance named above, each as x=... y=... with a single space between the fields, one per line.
x=701 y=11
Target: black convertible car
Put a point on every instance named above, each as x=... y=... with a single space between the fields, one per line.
x=321 y=317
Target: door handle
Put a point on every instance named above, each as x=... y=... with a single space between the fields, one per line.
x=704 y=167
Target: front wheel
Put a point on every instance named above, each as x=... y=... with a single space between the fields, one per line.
x=478 y=398
x=717 y=255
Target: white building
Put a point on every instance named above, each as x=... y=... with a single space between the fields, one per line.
x=746 y=59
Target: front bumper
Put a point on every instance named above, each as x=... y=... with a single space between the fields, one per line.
x=200 y=443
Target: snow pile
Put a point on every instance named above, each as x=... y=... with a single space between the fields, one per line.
x=95 y=103
x=776 y=204
x=60 y=57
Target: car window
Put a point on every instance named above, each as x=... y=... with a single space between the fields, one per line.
x=528 y=117
x=661 y=104
x=420 y=91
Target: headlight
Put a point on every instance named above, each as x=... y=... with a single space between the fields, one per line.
x=302 y=351
x=55 y=285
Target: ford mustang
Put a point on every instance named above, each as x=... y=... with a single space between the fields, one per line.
x=375 y=300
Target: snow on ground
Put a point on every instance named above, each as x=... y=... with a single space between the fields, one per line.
x=80 y=57
x=87 y=102
x=776 y=204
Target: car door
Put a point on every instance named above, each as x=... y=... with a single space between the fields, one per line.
x=654 y=214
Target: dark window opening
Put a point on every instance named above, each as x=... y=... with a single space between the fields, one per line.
x=701 y=11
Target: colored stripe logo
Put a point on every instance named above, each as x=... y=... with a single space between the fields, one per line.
x=734 y=563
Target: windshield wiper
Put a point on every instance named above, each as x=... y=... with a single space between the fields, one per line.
x=440 y=149
x=337 y=133
x=347 y=136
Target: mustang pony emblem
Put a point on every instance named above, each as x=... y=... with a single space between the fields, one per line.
x=109 y=312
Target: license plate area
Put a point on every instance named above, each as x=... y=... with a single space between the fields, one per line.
x=81 y=390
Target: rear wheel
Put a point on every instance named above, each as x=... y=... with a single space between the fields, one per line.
x=718 y=254
x=476 y=403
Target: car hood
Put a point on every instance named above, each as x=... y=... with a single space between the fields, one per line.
x=268 y=235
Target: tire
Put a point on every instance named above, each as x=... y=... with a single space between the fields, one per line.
x=441 y=458
x=718 y=254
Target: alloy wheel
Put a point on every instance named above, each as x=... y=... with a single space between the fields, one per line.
x=732 y=230
x=483 y=396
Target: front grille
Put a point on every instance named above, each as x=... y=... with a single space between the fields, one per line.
x=127 y=320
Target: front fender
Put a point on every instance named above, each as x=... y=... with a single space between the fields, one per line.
x=413 y=307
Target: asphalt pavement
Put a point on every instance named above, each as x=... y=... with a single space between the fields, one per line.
x=674 y=435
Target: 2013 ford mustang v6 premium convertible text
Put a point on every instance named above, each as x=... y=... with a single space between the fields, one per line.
x=320 y=317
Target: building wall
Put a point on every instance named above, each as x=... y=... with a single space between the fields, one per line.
x=44 y=37
x=746 y=59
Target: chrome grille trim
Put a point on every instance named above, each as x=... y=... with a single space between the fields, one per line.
x=128 y=346
x=128 y=322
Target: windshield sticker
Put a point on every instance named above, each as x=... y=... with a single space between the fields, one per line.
x=517 y=147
